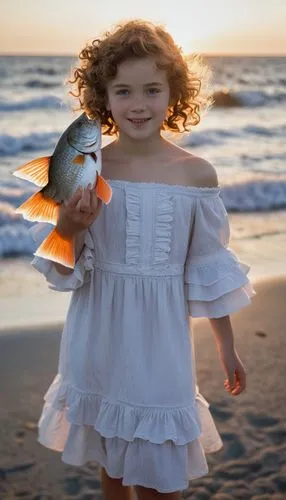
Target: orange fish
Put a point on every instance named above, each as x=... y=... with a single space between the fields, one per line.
x=76 y=162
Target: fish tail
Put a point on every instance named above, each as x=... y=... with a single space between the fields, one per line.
x=103 y=190
x=57 y=249
x=40 y=209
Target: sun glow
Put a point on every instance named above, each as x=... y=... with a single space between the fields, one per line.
x=213 y=26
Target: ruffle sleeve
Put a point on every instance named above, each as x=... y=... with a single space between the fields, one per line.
x=83 y=266
x=216 y=282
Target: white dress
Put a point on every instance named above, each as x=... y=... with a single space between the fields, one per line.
x=125 y=394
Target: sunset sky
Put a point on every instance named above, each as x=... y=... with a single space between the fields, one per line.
x=209 y=26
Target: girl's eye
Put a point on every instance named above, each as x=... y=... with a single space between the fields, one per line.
x=122 y=92
x=153 y=90
x=150 y=91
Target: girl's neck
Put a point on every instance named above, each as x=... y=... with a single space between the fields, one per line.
x=139 y=148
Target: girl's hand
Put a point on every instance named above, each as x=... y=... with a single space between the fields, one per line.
x=78 y=213
x=235 y=382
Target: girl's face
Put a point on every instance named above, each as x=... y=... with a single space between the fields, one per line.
x=138 y=97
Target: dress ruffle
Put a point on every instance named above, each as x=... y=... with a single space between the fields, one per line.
x=84 y=427
x=133 y=227
x=164 y=221
x=217 y=284
x=214 y=275
x=167 y=467
x=57 y=281
x=156 y=424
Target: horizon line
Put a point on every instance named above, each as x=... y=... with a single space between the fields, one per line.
x=204 y=54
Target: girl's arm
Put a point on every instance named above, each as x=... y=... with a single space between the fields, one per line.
x=235 y=382
x=222 y=331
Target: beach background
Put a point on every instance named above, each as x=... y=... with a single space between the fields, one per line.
x=243 y=135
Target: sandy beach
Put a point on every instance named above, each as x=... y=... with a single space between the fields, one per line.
x=252 y=464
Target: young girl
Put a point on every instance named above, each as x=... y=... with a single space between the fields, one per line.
x=125 y=394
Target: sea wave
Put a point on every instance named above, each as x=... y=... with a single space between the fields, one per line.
x=11 y=145
x=49 y=101
x=255 y=195
x=42 y=70
x=41 y=84
x=246 y=98
x=219 y=135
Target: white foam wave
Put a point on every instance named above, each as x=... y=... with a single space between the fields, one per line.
x=11 y=145
x=255 y=196
x=16 y=240
x=246 y=98
x=50 y=101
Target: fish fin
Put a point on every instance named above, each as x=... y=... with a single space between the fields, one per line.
x=38 y=208
x=103 y=190
x=36 y=171
x=57 y=249
x=78 y=160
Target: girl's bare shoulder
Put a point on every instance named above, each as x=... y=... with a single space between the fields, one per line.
x=196 y=170
x=202 y=171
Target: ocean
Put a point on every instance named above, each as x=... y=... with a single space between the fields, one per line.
x=243 y=135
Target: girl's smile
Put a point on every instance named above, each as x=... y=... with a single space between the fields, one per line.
x=139 y=122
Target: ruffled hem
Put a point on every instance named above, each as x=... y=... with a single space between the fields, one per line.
x=128 y=422
x=57 y=281
x=217 y=285
x=168 y=466
x=156 y=424
x=214 y=275
x=223 y=306
x=165 y=467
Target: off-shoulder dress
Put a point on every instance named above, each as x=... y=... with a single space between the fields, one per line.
x=125 y=394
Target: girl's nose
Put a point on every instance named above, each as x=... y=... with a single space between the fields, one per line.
x=138 y=105
x=138 y=108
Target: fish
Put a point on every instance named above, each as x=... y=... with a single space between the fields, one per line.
x=75 y=163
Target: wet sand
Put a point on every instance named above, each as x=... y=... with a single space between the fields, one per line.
x=252 y=464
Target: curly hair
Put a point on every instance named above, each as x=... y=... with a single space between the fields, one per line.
x=188 y=76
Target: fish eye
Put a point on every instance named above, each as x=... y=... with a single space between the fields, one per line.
x=80 y=124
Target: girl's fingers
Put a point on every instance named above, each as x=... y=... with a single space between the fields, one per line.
x=237 y=388
x=73 y=201
x=85 y=201
x=236 y=391
x=83 y=206
x=78 y=206
x=231 y=379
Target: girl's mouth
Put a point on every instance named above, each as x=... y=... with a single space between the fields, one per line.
x=139 y=121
